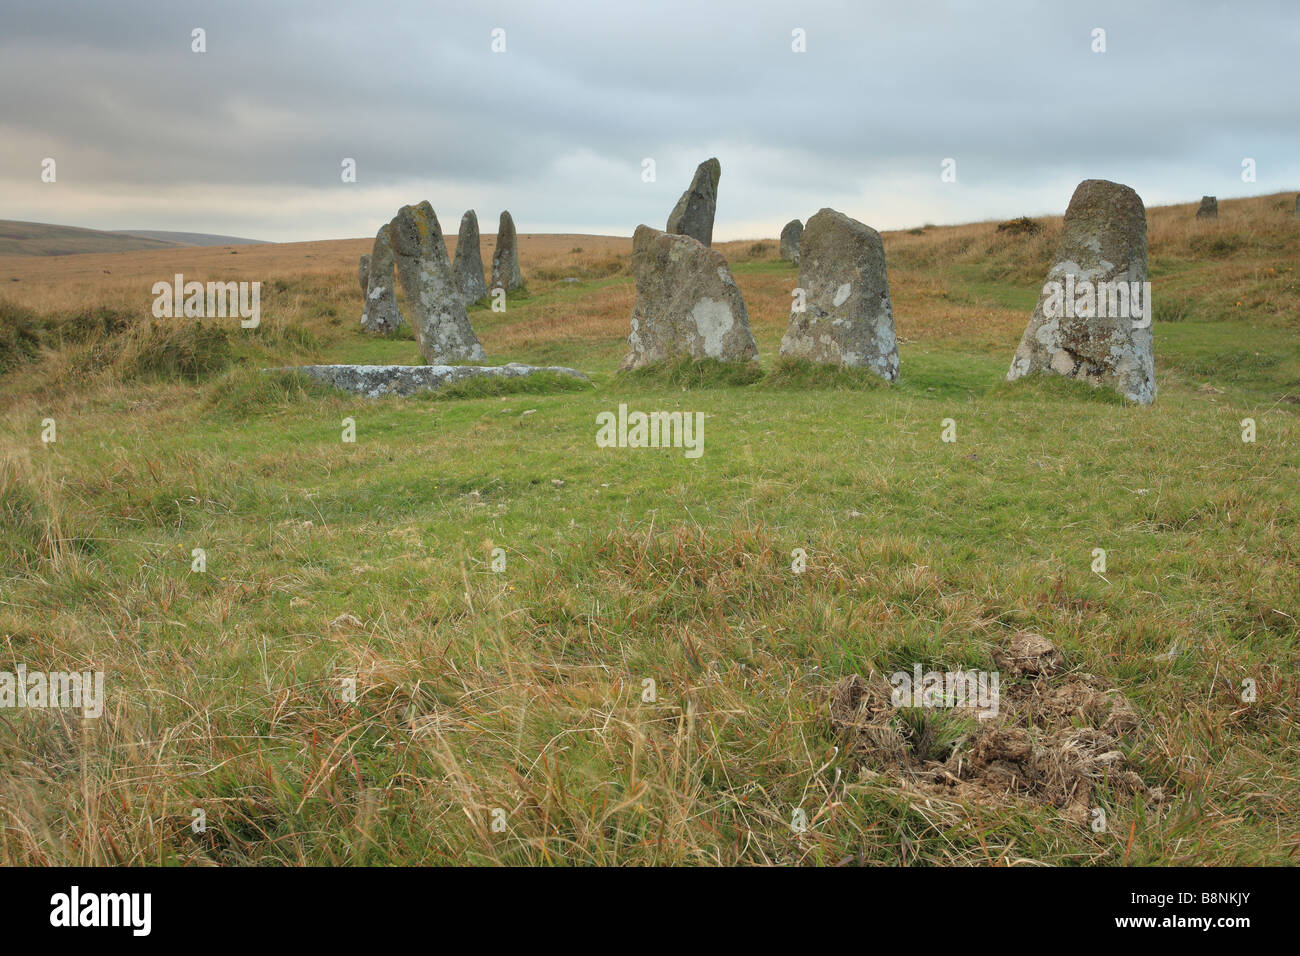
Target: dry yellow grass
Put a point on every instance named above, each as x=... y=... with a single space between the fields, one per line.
x=521 y=692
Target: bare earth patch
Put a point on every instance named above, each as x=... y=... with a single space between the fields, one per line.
x=1055 y=741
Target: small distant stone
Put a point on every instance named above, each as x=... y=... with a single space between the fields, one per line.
x=468 y=265
x=363 y=273
x=694 y=212
x=1209 y=208
x=791 y=236
x=505 y=260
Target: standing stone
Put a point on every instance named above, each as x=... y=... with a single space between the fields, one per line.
x=381 y=314
x=693 y=214
x=791 y=236
x=363 y=273
x=505 y=259
x=1104 y=239
x=847 y=317
x=1209 y=208
x=687 y=303
x=468 y=267
x=1297 y=205
x=437 y=310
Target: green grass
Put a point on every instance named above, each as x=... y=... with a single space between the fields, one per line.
x=522 y=691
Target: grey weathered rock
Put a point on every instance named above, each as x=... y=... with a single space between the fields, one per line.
x=1104 y=239
x=791 y=236
x=1209 y=208
x=375 y=381
x=693 y=214
x=505 y=258
x=381 y=313
x=687 y=303
x=847 y=318
x=468 y=267
x=363 y=273
x=437 y=310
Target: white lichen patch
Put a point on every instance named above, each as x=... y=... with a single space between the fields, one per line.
x=713 y=320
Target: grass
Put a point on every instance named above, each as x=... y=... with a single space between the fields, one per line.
x=526 y=691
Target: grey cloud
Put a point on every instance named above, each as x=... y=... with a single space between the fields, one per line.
x=412 y=91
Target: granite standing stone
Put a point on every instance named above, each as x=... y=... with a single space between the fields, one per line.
x=363 y=273
x=437 y=309
x=1104 y=240
x=468 y=267
x=1209 y=208
x=505 y=258
x=381 y=314
x=687 y=303
x=791 y=236
x=847 y=317
x=693 y=214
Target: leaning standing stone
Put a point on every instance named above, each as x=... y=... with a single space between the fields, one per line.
x=381 y=314
x=468 y=267
x=505 y=259
x=687 y=303
x=847 y=317
x=1209 y=208
x=363 y=273
x=437 y=310
x=693 y=214
x=1104 y=240
x=791 y=236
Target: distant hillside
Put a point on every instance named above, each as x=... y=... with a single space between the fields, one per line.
x=190 y=238
x=46 y=239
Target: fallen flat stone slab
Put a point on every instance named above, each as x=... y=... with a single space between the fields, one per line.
x=376 y=381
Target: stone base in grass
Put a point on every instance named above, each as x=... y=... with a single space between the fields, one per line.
x=375 y=381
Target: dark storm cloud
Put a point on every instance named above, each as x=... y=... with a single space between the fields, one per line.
x=557 y=126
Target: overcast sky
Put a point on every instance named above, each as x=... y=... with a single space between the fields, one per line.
x=248 y=138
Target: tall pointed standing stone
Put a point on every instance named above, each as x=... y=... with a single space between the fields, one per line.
x=468 y=266
x=1104 y=240
x=363 y=273
x=687 y=303
x=437 y=310
x=693 y=214
x=791 y=236
x=505 y=259
x=381 y=314
x=1209 y=208
x=847 y=318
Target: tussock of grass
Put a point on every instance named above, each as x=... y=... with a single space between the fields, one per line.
x=693 y=373
x=539 y=383
x=246 y=391
x=796 y=373
x=1058 y=388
